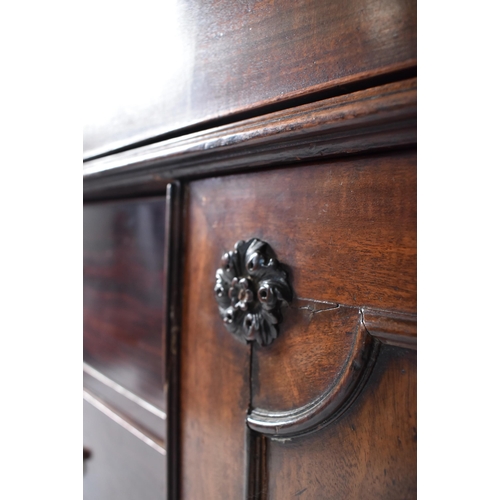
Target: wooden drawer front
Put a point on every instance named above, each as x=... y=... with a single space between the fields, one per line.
x=346 y=228
x=123 y=257
x=122 y=465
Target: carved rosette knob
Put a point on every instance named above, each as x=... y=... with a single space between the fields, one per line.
x=251 y=288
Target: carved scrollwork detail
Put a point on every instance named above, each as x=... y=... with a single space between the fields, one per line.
x=251 y=288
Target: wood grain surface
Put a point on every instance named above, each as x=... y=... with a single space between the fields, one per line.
x=173 y=65
x=369 y=452
x=345 y=228
x=311 y=375
x=123 y=293
x=307 y=359
x=214 y=381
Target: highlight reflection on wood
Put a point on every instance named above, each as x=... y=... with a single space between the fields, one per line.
x=123 y=293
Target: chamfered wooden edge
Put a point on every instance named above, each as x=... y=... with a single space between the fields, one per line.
x=172 y=311
x=368 y=120
x=374 y=327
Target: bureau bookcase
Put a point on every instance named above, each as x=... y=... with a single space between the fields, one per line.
x=250 y=260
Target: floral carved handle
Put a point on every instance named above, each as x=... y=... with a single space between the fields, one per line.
x=251 y=288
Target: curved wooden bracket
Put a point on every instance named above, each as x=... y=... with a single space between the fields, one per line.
x=373 y=328
x=331 y=403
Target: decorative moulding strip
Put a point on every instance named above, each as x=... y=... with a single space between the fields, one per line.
x=368 y=120
x=339 y=86
x=331 y=403
x=375 y=327
x=391 y=328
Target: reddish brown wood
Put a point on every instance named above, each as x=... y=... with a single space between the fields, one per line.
x=220 y=58
x=123 y=293
x=257 y=467
x=367 y=120
x=306 y=379
x=392 y=328
x=120 y=464
x=214 y=381
x=346 y=228
x=304 y=362
x=369 y=452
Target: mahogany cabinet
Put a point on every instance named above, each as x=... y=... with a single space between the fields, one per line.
x=250 y=262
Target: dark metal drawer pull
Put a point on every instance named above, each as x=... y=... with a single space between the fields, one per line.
x=251 y=288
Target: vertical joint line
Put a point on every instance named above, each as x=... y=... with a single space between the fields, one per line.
x=172 y=327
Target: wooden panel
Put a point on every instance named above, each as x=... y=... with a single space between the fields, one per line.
x=214 y=382
x=312 y=371
x=206 y=60
x=369 y=452
x=346 y=228
x=121 y=465
x=123 y=293
x=309 y=358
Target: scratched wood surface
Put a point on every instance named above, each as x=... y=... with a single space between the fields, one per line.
x=346 y=228
x=304 y=362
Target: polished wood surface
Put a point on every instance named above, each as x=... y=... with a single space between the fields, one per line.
x=121 y=465
x=210 y=60
x=336 y=361
x=209 y=123
x=123 y=294
x=346 y=228
x=392 y=328
x=316 y=350
x=172 y=325
x=214 y=382
x=381 y=117
x=369 y=452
